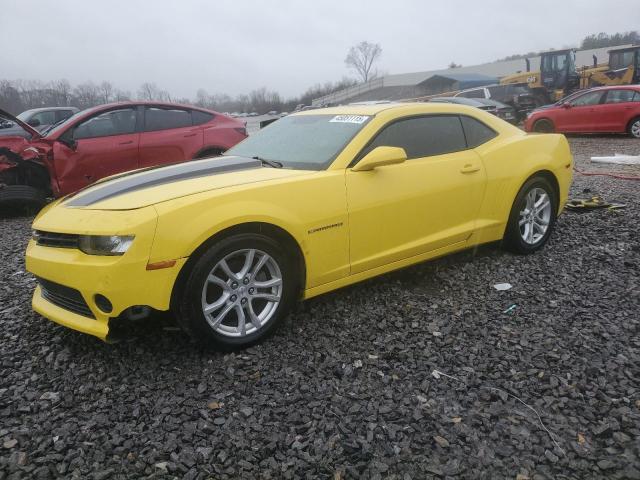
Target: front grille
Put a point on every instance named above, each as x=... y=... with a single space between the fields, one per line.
x=51 y=239
x=65 y=297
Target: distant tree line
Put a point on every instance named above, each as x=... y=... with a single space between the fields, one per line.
x=600 y=40
x=19 y=95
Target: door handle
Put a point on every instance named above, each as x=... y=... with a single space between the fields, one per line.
x=470 y=168
x=190 y=135
x=126 y=143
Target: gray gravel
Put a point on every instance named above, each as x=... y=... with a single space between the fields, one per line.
x=346 y=389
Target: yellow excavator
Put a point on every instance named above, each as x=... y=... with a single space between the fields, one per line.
x=623 y=69
x=558 y=75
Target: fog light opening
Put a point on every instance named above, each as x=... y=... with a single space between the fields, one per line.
x=103 y=303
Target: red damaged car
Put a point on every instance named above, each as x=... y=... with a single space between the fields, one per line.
x=598 y=110
x=106 y=140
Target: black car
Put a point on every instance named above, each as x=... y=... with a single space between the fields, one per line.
x=504 y=111
x=472 y=102
x=517 y=95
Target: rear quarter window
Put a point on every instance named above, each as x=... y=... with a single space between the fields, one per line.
x=476 y=132
x=479 y=93
x=201 y=117
x=165 y=119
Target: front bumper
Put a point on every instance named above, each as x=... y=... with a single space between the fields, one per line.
x=124 y=280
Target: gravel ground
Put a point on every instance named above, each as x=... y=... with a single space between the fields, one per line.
x=346 y=389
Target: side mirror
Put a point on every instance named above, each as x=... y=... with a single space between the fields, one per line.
x=380 y=157
x=566 y=105
x=34 y=122
x=68 y=142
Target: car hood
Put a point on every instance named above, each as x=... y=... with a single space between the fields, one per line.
x=28 y=128
x=154 y=185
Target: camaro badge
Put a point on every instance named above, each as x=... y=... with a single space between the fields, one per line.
x=326 y=227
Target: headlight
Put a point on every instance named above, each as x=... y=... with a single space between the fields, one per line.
x=104 y=244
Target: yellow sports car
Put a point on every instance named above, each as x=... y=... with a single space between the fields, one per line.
x=316 y=201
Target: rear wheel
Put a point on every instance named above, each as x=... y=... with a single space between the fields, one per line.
x=532 y=217
x=543 y=126
x=237 y=292
x=634 y=127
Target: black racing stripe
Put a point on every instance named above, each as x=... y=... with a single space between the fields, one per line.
x=161 y=176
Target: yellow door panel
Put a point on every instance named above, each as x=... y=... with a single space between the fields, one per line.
x=399 y=211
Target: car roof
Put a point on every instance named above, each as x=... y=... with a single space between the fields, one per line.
x=612 y=87
x=372 y=110
x=459 y=100
x=135 y=103
x=46 y=109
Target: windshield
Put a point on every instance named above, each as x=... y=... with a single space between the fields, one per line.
x=56 y=127
x=24 y=115
x=308 y=142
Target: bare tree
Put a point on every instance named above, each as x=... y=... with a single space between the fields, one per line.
x=149 y=91
x=361 y=58
x=87 y=95
x=121 y=95
x=106 y=92
x=61 y=89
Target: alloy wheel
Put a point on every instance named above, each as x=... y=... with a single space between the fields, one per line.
x=535 y=217
x=635 y=129
x=242 y=292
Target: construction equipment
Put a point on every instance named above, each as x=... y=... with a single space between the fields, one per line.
x=623 y=69
x=556 y=78
x=558 y=75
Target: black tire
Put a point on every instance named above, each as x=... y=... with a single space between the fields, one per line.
x=513 y=237
x=634 y=128
x=214 y=152
x=22 y=199
x=543 y=126
x=188 y=301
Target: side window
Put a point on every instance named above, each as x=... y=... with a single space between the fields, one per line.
x=497 y=92
x=476 y=132
x=620 y=96
x=47 y=117
x=479 y=93
x=561 y=62
x=636 y=97
x=164 y=118
x=63 y=114
x=422 y=136
x=114 y=122
x=591 y=98
x=201 y=117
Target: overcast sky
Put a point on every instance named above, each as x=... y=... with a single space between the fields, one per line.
x=233 y=46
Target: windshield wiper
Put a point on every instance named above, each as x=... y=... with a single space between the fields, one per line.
x=268 y=163
x=52 y=126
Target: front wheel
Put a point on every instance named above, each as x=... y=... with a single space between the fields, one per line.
x=634 y=128
x=532 y=216
x=237 y=292
x=543 y=126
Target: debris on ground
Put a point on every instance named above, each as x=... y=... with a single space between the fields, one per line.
x=618 y=159
x=502 y=286
x=511 y=308
x=593 y=203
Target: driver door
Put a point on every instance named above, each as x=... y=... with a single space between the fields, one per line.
x=105 y=144
x=428 y=202
x=581 y=114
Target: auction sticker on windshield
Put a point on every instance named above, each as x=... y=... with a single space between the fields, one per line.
x=350 y=118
